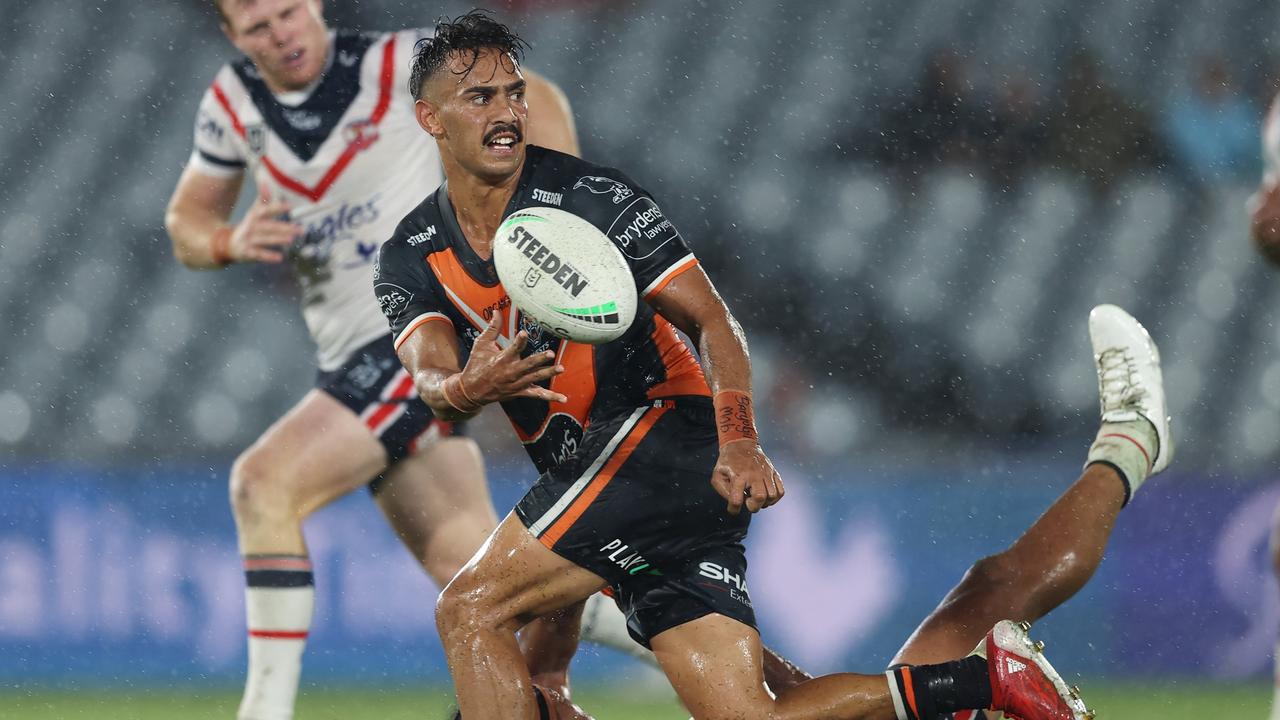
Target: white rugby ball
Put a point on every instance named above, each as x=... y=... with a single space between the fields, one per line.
x=565 y=274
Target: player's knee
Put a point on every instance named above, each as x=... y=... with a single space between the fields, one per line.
x=458 y=615
x=464 y=609
x=256 y=491
x=1004 y=572
x=994 y=571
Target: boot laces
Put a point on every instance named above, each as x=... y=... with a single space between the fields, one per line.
x=1118 y=381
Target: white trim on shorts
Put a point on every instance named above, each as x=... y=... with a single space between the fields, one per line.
x=551 y=515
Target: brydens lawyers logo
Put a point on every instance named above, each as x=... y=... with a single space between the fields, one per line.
x=392 y=298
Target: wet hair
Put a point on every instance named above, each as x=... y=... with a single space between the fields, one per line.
x=469 y=34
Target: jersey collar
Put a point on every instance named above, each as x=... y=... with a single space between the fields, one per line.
x=480 y=269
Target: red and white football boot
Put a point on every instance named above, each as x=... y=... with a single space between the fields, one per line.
x=1023 y=684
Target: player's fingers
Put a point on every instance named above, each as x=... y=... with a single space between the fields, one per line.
x=269 y=210
x=536 y=361
x=779 y=485
x=541 y=393
x=737 y=492
x=720 y=481
x=770 y=487
x=272 y=240
x=533 y=377
x=272 y=236
x=264 y=194
x=270 y=224
x=757 y=493
x=265 y=256
x=517 y=345
x=490 y=332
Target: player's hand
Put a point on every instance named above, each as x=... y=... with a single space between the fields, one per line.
x=744 y=476
x=1264 y=216
x=262 y=236
x=495 y=373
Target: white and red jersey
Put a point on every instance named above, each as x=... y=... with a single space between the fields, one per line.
x=348 y=157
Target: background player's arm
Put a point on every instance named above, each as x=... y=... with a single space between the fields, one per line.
x=492 y=374
x=551 y=117
x=744 y=475
x=198 y=216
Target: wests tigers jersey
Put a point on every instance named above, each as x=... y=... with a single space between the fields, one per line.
x=347 y=156
x=428 y=272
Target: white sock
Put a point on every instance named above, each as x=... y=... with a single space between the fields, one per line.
x=279 y=598
x=604 y=624
x=1129 y=447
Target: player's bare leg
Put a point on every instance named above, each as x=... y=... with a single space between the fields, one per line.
x=512 y=580
x=317 y=452
x=438 y=502
x=714 y=663
x=1040 y=571
x=604 y=624
x=1058 y=554
x=716 y=666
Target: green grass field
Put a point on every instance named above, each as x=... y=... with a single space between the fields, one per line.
x=1182 y=701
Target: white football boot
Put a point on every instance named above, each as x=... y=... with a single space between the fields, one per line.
x=1134 y=437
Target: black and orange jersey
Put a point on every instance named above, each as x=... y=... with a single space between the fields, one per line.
x=427 y=272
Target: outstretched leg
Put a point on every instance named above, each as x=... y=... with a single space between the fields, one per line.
x=1058 y=554
x=715 y=665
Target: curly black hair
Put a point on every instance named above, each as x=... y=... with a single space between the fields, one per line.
x=472 y=34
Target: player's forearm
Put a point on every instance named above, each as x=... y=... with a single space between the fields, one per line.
x=448 y=399
x=200 y=240
x=725 y=359
x=728 y=368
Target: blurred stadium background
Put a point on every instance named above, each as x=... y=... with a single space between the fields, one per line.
x=911 y=204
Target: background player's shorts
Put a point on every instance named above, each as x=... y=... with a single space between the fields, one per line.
x=376 y=387
x=634 y=504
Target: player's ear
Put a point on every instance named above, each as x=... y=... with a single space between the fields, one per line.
x=428 y=118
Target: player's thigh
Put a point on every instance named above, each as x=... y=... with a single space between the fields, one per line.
x=438 y=502
x=317 y=452
x=715 y=665
x=510 y=581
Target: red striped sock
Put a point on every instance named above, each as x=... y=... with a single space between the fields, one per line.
x=279 y=598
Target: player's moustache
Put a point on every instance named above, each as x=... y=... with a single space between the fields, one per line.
x=499 y=129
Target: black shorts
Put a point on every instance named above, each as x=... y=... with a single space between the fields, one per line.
x=635 y=506
x=377 y=388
